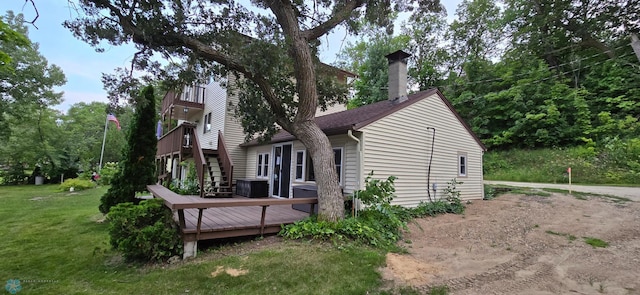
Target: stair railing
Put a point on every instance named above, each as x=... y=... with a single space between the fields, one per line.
x=225 y=158
x=198 y=157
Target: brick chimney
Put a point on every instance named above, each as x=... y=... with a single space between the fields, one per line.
x=398 y=76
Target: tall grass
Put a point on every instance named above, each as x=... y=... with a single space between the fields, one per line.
x=55 y=243
x=616 y=162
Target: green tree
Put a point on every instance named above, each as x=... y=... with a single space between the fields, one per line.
x=367 y=59
x=137 y=169
x=84 y=123
x=10 y=36
x=27 y=82
x=430 y=60
x=211 y=38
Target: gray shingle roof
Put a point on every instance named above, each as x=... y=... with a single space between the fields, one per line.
x=354 y=119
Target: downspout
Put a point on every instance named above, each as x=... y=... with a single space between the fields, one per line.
x=358 y=172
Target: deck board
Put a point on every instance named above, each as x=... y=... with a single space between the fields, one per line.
x=237 y=218
x=230 y=217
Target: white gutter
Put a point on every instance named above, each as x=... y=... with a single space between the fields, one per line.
x=359 y=170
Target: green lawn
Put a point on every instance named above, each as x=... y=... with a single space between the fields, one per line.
x=53 y=243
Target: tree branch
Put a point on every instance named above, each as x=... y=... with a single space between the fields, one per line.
x=340 y=15
x=204 y=50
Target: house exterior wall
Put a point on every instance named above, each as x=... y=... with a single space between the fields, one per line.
x=214 y=103
x=349 y=163
x=233 y=134
x=400 y=145
x=331 y=109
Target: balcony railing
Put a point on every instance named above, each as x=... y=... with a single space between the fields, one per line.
x=179 y=139
x=191 y=97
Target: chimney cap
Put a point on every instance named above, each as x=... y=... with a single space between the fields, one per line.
x=397 y=56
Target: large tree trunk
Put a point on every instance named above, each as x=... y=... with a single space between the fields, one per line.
x=304 y=127
x=330 y=199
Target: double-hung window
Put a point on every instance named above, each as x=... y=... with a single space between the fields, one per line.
x=308 y=166
x=263 y=165
x=462 y=164
x=300 y=157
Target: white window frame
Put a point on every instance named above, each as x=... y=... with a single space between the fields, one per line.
x=262 y=165
x=341 y=168
x=463 y=164
x=341 y=165
x=207 y=123
x=302 y=165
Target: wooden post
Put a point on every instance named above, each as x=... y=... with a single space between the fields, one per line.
x=181 y=219
x=264 y=213
x=199 y=224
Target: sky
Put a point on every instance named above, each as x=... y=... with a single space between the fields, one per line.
x=83 y=66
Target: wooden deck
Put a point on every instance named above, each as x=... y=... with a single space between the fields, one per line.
x=237 y=221
x=205 y=219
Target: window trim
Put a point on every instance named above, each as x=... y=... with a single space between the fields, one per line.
x=463 y=162
x=303 y=165
x=341 y=162
x=310 y=166
x=207 y=123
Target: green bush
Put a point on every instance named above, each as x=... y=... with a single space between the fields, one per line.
x=144 y=232
x=609 y=161
x=190 y=185
x=77 y=184
x=107 y=173
x=380 y=224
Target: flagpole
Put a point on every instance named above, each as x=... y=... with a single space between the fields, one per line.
x=104 y=138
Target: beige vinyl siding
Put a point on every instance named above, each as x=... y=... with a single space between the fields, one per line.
x=252 y=160
x=349 y=162
x=234 y=136
x=400 y=145
x=214 y=103
x=331 y=109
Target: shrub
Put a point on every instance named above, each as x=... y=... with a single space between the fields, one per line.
x=144 y=232
x=190 y=185
x=107 y=173
x=380 y=224
x=77 y=184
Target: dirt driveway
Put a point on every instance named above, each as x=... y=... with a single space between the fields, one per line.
x=520 y=244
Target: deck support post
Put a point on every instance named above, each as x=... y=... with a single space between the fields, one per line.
x=264 y=213
x=313 y=209
x=190 y=249
x=181 y=219
x=199 y=223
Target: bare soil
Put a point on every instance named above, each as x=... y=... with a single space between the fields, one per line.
x=518 y=244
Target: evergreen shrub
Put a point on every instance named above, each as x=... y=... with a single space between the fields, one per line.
x=144 y=232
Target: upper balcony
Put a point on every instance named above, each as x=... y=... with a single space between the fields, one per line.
x=191 y=97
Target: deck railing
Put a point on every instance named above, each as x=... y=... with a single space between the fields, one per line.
x=191 y=97
x=225 y=158
x=201 y=165
x=178 y=139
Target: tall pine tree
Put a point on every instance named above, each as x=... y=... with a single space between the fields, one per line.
x=138 y=167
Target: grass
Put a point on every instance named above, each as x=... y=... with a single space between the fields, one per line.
x=570 y=237
x=503 y=189
x=53 y=243
x=595 y=243
x=585 y=196
x=550 y=166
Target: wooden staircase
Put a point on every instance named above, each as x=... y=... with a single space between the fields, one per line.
x=218 y=183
